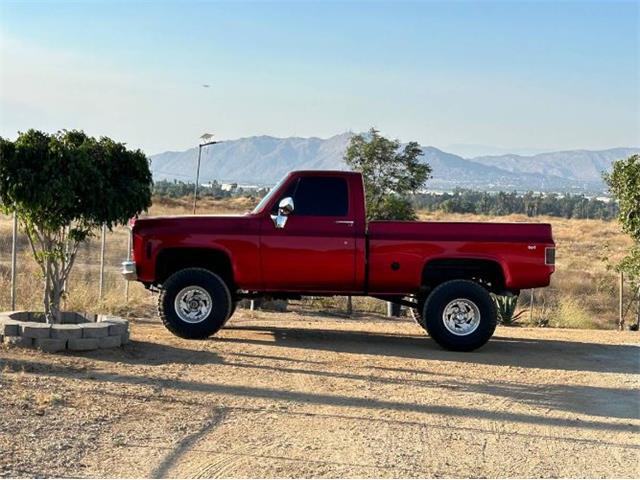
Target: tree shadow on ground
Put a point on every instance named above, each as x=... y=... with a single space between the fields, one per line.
x=550 y=354
x=500 y=351
x=341 y=401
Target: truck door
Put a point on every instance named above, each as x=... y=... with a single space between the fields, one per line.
x=316 y=247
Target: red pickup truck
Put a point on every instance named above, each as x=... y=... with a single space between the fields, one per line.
x=310 y=236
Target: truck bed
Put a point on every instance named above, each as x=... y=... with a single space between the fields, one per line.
x=466 y=231
x=398 y=250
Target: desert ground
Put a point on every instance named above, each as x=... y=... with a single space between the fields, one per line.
x=309 y=395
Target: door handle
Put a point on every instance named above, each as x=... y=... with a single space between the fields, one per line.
x=345 y=222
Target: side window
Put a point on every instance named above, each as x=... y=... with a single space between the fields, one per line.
x=322 y=196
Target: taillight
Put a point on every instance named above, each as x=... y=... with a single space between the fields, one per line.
x=550 y=256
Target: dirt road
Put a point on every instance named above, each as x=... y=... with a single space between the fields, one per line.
x=286 y=395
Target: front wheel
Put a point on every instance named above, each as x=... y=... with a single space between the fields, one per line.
x=460 y=315
x=194 y=303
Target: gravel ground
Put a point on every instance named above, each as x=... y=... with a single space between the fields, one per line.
x=289 y=395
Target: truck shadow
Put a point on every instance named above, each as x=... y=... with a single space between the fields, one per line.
x=501 y=350
x=583 y=399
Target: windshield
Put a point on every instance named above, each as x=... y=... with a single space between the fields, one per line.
x=269 y=195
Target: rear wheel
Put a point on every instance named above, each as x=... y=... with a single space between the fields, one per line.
x=460 y=315
x=194 y=303
x=234 y=305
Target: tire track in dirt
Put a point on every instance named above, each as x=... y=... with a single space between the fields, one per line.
x=222 y=465
x=186 y=444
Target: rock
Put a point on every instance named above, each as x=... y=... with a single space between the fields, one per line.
x=17 y=341
x=35 y=330
x=125 y=338
x=82 y=344
x=71 y=318
x=117 y=328
x=112 y=341
x=94 y=330
x=9 y=327
x=89 y=317
x=50 y=344
x=66 y=331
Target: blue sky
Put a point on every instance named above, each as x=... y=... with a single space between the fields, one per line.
x=518 y=75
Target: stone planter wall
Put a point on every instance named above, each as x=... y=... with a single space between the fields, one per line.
x=77 y=332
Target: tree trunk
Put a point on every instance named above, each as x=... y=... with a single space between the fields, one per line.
x=55 y=254
x=55 y=297
x=46 y=297
x=53 y=282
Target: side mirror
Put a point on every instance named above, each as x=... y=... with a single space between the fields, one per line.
x=285 y=208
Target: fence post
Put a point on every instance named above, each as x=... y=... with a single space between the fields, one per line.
x=14 y=252
x=531 y=308
x=102 y=245
x=349 y=305
x=126 y=282
x=621 y=302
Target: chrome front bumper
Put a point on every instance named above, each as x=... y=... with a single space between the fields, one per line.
x=129 y=270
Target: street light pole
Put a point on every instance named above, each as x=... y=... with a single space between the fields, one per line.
x=195 y=188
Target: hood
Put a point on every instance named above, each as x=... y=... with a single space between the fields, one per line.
x=195 y=224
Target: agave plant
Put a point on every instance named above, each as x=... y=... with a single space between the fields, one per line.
x=506 y=309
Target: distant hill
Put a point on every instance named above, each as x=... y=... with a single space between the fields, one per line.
x=582 y=165
x=263 y=160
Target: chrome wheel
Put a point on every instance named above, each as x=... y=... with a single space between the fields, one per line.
x=461 y=317
x=193 y=304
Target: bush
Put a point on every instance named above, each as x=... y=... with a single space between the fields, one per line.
x=569 y=313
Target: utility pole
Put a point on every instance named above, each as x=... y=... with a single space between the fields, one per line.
x=203 y=143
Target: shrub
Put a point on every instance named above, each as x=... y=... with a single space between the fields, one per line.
x=570 y=313
x=506 y=308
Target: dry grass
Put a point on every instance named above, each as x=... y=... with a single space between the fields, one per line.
x=583 y=293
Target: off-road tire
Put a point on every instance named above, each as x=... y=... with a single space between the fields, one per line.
x=234 y=306
x=459 y=289
x=220 y=300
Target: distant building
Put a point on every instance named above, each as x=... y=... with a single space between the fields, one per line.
x=229 y=187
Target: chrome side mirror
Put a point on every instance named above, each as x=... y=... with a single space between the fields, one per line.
x=285 y=208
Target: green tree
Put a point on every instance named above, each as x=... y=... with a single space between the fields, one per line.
x=390 y=174
x=63 y=186
x=624 y=184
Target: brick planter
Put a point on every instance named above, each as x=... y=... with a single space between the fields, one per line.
x=77 y=332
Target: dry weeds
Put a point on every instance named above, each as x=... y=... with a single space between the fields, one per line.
x=583 y=293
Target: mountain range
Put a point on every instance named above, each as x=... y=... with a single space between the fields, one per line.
x=263 y=160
